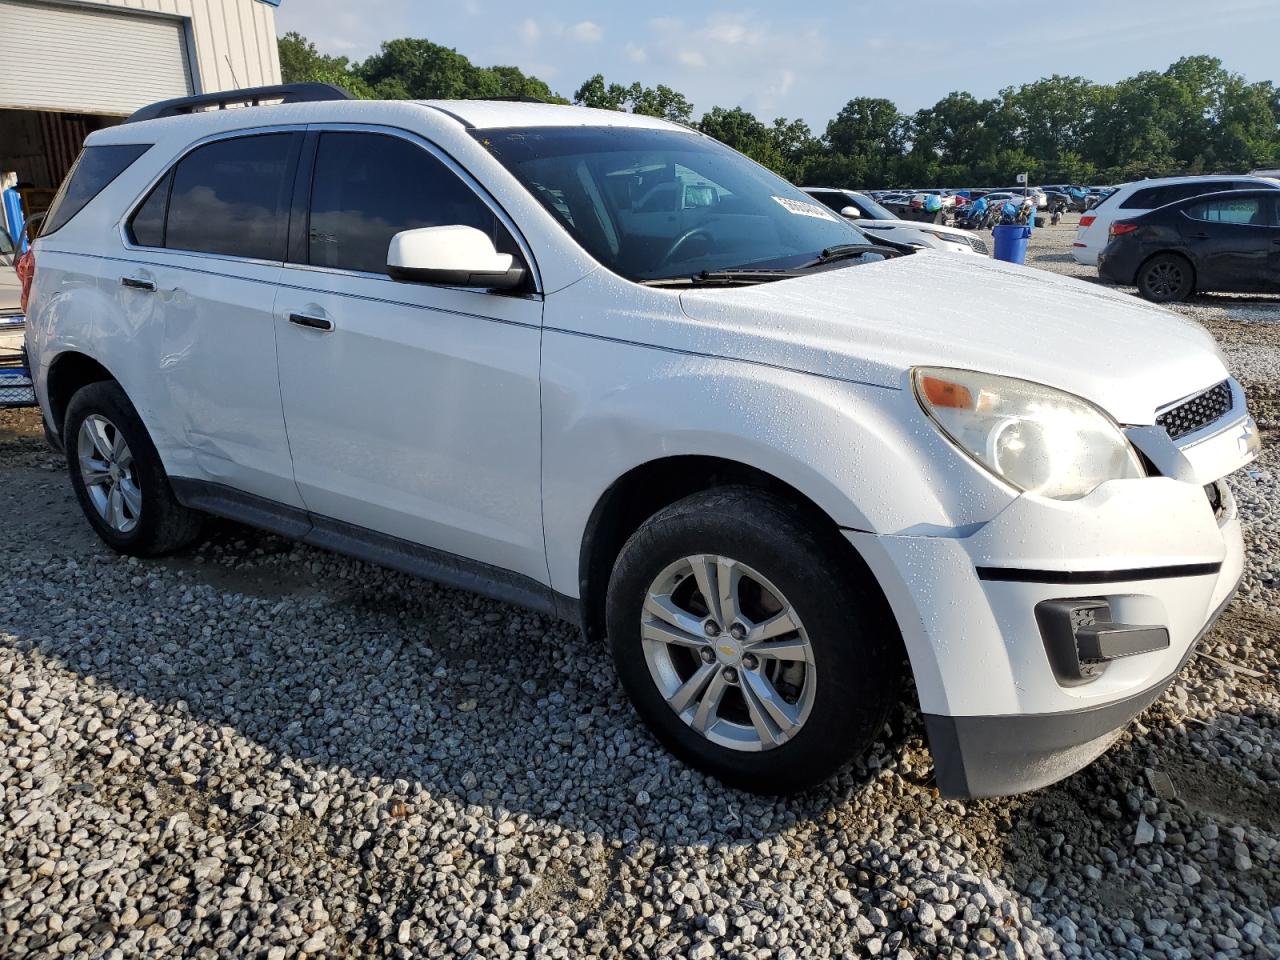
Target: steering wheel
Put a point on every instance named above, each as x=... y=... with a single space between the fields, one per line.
x=680 y=241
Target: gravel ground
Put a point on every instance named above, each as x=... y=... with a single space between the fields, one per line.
x=261 y=750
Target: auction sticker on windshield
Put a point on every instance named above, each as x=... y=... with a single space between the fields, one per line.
x=802 y=209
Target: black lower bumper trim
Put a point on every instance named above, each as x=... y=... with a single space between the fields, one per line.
x=1016 y=575
x=1001 y=755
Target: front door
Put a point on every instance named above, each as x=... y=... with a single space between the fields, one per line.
x=411 y=410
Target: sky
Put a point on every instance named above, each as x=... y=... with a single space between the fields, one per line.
x=809 y=59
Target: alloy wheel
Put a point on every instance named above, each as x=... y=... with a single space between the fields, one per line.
x=1164 y=279
x=108 y=472
x=728 y=653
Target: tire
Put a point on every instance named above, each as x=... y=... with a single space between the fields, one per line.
x=132 y=508
x=1166 y=278
x=841 y=694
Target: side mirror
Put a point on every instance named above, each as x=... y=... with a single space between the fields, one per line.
x=452 y=256
x=853 y=213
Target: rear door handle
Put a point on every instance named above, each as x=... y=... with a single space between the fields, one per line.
x=311 y=323
x=138 y=283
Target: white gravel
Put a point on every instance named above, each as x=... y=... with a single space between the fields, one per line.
x=260 y=750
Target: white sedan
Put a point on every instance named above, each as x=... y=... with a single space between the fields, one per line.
x=876 y=221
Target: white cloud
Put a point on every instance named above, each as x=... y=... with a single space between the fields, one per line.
x=586 y=31
x=530 y=32
x=761 y=63
x=636 y=54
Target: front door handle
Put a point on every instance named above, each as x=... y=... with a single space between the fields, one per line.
x=311 y=323
x=138 y=283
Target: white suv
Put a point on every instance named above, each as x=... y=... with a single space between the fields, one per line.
x=604 y=367
x=1142 y=196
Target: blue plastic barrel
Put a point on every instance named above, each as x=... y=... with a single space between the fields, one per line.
x=13 y=219
x=1011 y=242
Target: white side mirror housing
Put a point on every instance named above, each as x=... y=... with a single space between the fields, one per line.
x=853 y=213
x=452 y=256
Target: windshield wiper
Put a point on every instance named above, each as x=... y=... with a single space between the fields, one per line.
x=724 y=277
x=848 y=251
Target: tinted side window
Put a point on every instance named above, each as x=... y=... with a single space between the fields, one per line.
x=836 y=201
x=1248 y=211
x=1147 y=199
x=368 y=187
x=94 y=169
x=231 y=197
x=146 y=228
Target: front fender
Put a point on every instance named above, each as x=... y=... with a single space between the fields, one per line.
x=864 y=454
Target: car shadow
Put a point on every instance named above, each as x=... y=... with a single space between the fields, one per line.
x=396 y=680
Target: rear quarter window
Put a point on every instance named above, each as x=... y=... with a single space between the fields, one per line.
x=1147 y=199
x=93 y=171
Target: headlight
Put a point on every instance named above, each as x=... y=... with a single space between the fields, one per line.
x=1036 y=438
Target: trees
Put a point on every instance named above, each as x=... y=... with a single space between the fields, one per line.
x=300 y=62
x=660 y=101
x=1194 y=116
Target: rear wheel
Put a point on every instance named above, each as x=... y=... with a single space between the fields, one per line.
x=118 y=477
x=748 y=643
x=1166 y=278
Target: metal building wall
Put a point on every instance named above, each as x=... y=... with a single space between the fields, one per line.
x=233 y=41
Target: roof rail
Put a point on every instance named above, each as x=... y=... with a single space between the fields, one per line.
x=250 y=97
x=523 y=98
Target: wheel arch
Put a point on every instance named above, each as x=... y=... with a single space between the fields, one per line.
x=68 y=372
x=649 y=487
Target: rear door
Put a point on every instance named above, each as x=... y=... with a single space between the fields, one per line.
x=207 y=246
x=413 y=410
x=1272 y=282
x=1231 y=239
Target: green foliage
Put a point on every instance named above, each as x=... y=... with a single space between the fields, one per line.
x=660 y=101
x=300 y=62
x=1194 y=117
x=408 y=69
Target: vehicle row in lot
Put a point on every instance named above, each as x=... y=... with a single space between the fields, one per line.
x=600 y=365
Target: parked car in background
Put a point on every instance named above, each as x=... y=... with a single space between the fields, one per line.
x=1220 y=242
x=1142 y=196
x=1096 y=195
x=875 y=221
x=602 y=366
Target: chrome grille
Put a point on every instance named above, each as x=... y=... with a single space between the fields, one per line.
x=1200 y=411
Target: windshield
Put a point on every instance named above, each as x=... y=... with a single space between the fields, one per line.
x=659 y=204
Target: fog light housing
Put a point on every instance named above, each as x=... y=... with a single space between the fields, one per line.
x=1080 y=638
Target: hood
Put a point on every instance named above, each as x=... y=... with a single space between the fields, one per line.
x=872 y=322
x=937 y=228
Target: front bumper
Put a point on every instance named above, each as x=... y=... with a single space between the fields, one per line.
x=998 y=756
x=998 y=719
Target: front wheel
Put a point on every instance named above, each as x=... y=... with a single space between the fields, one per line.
x=1165 y=278
x=749 y=643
